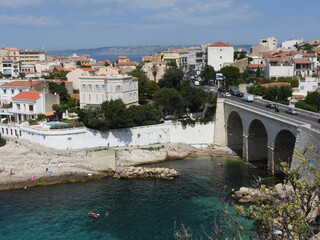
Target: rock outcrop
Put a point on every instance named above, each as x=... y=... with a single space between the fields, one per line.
x=141 y=172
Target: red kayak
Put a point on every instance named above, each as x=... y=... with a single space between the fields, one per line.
x=93 y=214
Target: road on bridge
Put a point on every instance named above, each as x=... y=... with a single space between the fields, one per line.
x=260 y=105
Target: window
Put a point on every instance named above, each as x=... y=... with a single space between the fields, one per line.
x=130 y=96
x=103 y=87
x=135 y=96
x=302 y=87
x=118 y=88
x=103 y=97
x=18 y=106
x=220 y=57
x=12 y=91
x=84 y=88
x=97 y=98
x=90 y=89
x=89 y=98
x=83 y=97
x=130 y=85
x=31 y=108
x=4 y=91
x=96 y=88
x=111 y=88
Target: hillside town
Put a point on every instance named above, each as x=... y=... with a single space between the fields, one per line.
x=26 y=74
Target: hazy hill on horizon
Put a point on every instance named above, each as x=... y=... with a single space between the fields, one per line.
x=126 y=50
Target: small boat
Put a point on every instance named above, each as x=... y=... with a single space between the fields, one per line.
x=93 y=214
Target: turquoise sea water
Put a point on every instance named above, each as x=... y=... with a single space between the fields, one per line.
x=138 y=208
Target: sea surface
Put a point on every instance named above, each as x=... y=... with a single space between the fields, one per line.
x=138 y=208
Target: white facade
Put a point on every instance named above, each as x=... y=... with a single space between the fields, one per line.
x=74 y=75
x=270 y=42
x=220 y=55
x=96 y=89
x=308 y=85
x=275 y=68
x=77 y=138
x=291 y=44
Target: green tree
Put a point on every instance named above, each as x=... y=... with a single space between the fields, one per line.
x=2 y=141
x=60 y=89
x=172 y=64
x=142 y=84
x=152 y=87
x=271 y=93
x=258 y=72
x=313 y=98
x=154 y=70
x=106 y=64
x=232 y=75
x=249 y=75
x=78 y=63
x=284 y=93
x=194 y=98
x=172 y=78
x=303 y=105
x=169 y=101
x=292 y=215
x=115 y=113
x=209 y=73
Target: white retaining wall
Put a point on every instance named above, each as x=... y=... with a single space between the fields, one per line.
x=86 y=138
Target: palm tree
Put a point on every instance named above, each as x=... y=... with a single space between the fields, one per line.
x=154 y=70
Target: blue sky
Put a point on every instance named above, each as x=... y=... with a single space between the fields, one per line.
x=73 y=24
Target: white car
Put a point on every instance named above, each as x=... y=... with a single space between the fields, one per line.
x=225 y=94
x=196 y=83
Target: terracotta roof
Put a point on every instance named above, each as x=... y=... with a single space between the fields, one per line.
x=255 y=65
x=278 y=59
x=283 y=53
x=63 y=69
x=21 y=83
x=12 y=49
x=122 y=57
x=127 y=64
x=309 y=55
x=88 y=69
x=47 y=70
x=274 y=84
x=98 y=64
x=266 y=54
x=75 y=95
x=102 y=75
x=27 y=95
x=220 y=44
x=114 y=68
x=302 y=60
x=47 y=114
x=85 y=60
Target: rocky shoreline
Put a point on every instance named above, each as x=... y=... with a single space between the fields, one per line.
x=29 y=161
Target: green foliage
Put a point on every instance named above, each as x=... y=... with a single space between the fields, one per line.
x=232 y=75
x=294 y=82
x=249 y=75
x=106 y=64
x=172 y=78
x=2 y=141
x=280 y=94
x=292 y=215
x=303 y=105
x=307 y=47
x=154 y=70
x=313 y=98
x=172 y=64
x=169 y=101
x=59 y=74
x=239 y=55
x=114 y=115
x=284 y=93
x=209 y=73
x=194 y=98
x=59 y=89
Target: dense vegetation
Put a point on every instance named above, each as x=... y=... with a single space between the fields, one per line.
x=312 y=102
x=278 y=94
x=2 y=141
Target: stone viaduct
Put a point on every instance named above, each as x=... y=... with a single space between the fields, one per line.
x=262 y=137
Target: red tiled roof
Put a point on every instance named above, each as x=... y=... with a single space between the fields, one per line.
x=308 y=55
x=47 y=114
x=88 y=69
x=122 y=57
x=75 y=95
x=27 y=95
x=274 y=84
x=220 y=44
x=63 y=69
x=302 y=60
x=278 y=59
x=114 y=68
x=12 y=49
x=85 y=60
x=98 y=64
x=283 y=53
x=47 y=70
x=127 y=64
x=255 y=65
x=21 y=83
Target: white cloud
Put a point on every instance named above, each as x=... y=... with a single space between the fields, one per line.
x=25 y=20
x=19 y=3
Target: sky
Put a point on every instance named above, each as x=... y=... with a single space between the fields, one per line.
x=74 y=24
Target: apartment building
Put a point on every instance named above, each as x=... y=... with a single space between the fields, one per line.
x=270 y=42
x=279 y=67
x=96 y=89
x=302 y=67
x=220 y=54
x=30 y=56
x=28 y=104
x=10 y=68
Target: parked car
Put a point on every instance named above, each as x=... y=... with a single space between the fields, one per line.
x=231 y=92
x=238 y=94
x=196 y=83
x=225 y=94
x=292 y=111
x=247 y=98
x=271 y=105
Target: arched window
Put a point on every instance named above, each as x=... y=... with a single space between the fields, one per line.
x=84 y=88
x=130 y=85
x=90 y=87
x=96 y=88
x=130 y=96
x=103 y=87
x=135 y=96
x=118 y=88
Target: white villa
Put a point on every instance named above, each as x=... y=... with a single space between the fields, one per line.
x=96 y=89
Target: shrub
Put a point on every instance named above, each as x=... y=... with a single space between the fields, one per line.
x=2 y=141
